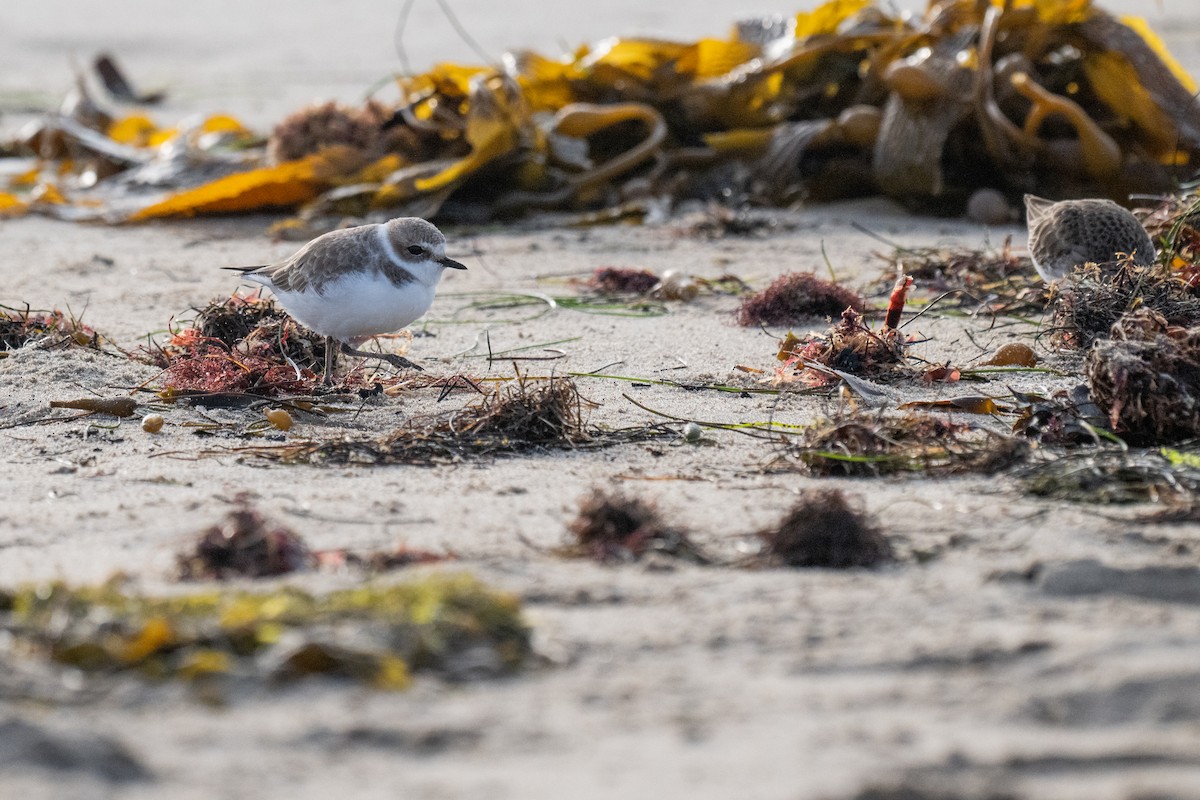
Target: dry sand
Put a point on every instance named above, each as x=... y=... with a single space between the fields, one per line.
x=954 y=677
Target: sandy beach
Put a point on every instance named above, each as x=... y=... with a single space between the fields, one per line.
x=1018 y=647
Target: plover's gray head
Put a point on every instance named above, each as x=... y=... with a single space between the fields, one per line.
x=417 y=242
x=1069 y=233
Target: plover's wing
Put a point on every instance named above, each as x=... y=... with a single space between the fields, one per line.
x=322 y=260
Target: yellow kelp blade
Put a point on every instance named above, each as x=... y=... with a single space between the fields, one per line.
x=138 y=130
x=1049 y=12
x=827 y=18
x=494 y=125
x=1142 y=29
x=717 y=57
x=640 y=59
x=740 y=140
x=1116 y=83
x=286 y=185
x=547 y=84
x=11 y=205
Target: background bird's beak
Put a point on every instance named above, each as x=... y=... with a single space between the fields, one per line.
x=451 y=263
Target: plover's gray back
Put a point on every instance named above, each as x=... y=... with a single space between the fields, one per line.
x=1068 y=233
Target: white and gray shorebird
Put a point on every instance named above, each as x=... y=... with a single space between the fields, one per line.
x=352 y=284
x=1066 y=234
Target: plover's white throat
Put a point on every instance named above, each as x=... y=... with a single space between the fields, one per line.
x=355 y=283
x=1069 y=233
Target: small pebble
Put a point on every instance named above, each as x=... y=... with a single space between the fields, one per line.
x=1013 y=354
x=279 y=418
x=692 y=432
x=152 y=423
x=989 y=207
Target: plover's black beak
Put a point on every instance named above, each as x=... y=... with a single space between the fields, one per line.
x=451 y=263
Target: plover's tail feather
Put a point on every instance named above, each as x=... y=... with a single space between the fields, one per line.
x=244 y=270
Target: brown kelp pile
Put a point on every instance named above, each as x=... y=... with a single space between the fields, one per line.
x=240 y=345
x=849 y=346
x=451 y=625
x=243 y=544
x=825 y=529
x=796 y=297
x=611 y=528
x=1058 y=97
x=1146 y=378
x=1090 y=301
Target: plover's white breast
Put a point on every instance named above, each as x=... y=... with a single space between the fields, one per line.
x=356 y=306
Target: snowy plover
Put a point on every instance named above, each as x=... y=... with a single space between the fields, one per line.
x=355 y=283
x=1068 y=233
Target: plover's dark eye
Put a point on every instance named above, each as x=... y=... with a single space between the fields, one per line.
x=416 y=249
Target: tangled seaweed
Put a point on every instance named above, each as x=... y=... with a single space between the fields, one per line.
x=848 y=346
x=378 y=635
x=1091 y=301
x=19 y=327
x=795 y=297
x=241 y=345
x=1066 y=418
x=1056 y=97
x=1146 y=379
x=872 y=444
x=243 y=545
x=610 y=528
x=246 y=345
x=527 y=415
x=622 y=280
x=1112 y=476
x=824 y=529
x=1000 y=282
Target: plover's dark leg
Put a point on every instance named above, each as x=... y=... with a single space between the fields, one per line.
x=400 y=362
x=330 y=360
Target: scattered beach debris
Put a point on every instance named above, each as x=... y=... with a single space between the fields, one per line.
x=611 y=528
x=1146 y=378
x=1088 y=302
x=993 y=281
x=378 y=635
x=863 y=443
x=19 y=327
x=622 y=280
x=852 y=98
x=1097 y=476
x=116 y=406
x=797 y=297
x=718 y=221
x=525 y=415
x=1066 y=418
x=848 y=346
x=825 y=529
x=245 y=544
x=677 y=285
x=941 y=374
